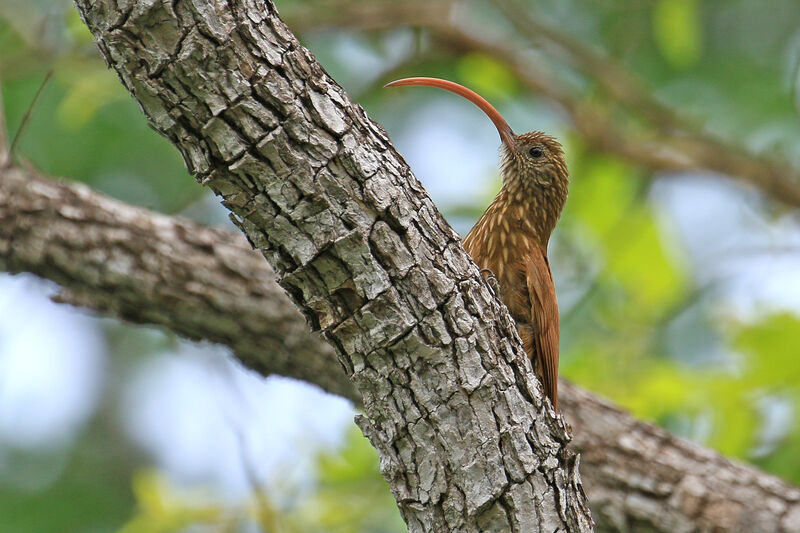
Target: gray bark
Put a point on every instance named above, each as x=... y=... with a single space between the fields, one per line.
x=144 y=267
x=641 y=478
x=464 y=436
x=638 y=477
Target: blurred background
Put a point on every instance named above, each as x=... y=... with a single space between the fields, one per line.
x=677 y=260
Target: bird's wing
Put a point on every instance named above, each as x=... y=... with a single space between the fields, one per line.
x=544 y=319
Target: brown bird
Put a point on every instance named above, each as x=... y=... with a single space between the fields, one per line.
x=510 y=238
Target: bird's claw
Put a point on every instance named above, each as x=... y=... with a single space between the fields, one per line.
x=490 y=278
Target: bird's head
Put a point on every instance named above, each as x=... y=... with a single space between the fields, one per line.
x=532 y=164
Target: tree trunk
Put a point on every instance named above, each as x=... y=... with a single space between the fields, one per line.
x=135 y=264
x=464 y=436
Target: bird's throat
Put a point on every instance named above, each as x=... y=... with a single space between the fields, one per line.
x=527 y=209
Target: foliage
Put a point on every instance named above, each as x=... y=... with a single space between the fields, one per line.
x=164 y=509
x=677 y=31
x=350 y=496
x=85 y=126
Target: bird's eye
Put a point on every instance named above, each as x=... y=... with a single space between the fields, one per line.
x=536 y=152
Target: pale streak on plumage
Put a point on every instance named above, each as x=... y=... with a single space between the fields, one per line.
x=522 y=269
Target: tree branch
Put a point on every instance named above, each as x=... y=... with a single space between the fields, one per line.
x=674 y=142
x=3 y=126
x=133 y=264
x=146 y=268
x=465 y=438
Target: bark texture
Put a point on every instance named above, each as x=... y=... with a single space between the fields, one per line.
x=637 y=476
x=641 y=478
x=464 y=437
x=147 y=268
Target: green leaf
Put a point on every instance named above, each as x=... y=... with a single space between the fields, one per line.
x=486 y=76
x=735 y=419
x=637 y=258
x=352 y=496
x=86 y=95
x=605 y=201
x=771 y=347
x=603 y=189
x=76 y=29
x=677 y=32
x=165 y=509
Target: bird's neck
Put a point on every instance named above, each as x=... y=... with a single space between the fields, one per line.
x=533 y=209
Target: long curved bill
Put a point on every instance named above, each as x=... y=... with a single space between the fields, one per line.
x=506 y=134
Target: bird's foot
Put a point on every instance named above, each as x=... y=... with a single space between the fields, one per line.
x=492 y=281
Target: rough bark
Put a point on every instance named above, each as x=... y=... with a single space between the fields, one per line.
x=641 y=478
x=147 y=268
x=637 y=476
x=464 y=437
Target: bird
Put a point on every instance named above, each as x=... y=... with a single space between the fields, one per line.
x=510 y=239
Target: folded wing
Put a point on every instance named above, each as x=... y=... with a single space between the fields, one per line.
x=544 y=320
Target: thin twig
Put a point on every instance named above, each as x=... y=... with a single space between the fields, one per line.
x=27 y=114
x=3 y=137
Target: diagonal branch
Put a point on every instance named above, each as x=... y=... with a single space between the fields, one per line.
x=3 y=126
x=465 y=438
x=612 y=77
x=673 y=144
x=133 y=264
x=203 y=284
